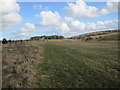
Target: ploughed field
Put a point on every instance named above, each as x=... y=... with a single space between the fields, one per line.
x=61 y=64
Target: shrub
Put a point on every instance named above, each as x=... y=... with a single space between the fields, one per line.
x=4 y=41
x=88 y=38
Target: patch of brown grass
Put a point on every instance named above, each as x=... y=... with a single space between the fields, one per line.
x=19 y=61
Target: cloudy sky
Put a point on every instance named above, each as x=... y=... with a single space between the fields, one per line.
x=21 y=20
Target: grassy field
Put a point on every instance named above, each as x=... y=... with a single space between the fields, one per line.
x=78 y=64
x=111 y=36
x=67 y=63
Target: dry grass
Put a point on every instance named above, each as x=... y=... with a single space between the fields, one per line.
x=61 y=64
x=19 y=61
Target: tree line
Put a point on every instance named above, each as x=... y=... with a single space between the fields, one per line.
x=5 y=41
x=47 y=37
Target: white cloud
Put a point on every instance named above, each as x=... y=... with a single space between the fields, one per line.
x=81 y=9
x=63 y=28
x=112 y=6
x=104 y=11
x=68 y=25
x=8 y=21
x=25 y=31
x=91 y=26
x=37 y=6
x=99 y=25
x=68 y=19
x=49 y=18
x=27 y=28
x=53 y=18
x=9 y=14
x=9 y=6
x=40 y=7
x=30 y=26
x=107 y=24
x=77 y=25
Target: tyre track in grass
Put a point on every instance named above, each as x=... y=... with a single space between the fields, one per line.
x=67 y=67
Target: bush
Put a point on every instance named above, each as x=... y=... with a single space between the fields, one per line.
x=4 y=41
x=88 y=38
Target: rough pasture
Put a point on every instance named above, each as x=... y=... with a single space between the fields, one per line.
x=19 y=59
x=61 y=64
x=79 y=64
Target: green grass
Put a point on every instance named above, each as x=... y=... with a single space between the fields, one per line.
x=111 y=36
x=75 y=64
x=106 y=35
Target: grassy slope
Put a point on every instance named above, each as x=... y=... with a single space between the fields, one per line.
x=105 y=35
x=79 y=64
x=111 y=36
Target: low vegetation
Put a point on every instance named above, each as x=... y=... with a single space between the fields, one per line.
x=102 y=35
x=79 y=64
x=18 y=63
x=4 y=41
x=84 y=61
x=47 y=37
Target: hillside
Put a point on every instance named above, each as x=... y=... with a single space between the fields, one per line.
x=102 y=35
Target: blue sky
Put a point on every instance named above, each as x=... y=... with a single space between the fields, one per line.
x=36 y=22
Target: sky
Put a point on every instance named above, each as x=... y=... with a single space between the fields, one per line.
x=22 y=20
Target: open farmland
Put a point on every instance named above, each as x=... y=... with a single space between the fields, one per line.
x=61 y=64
x=60 y=44
x=79 y=64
